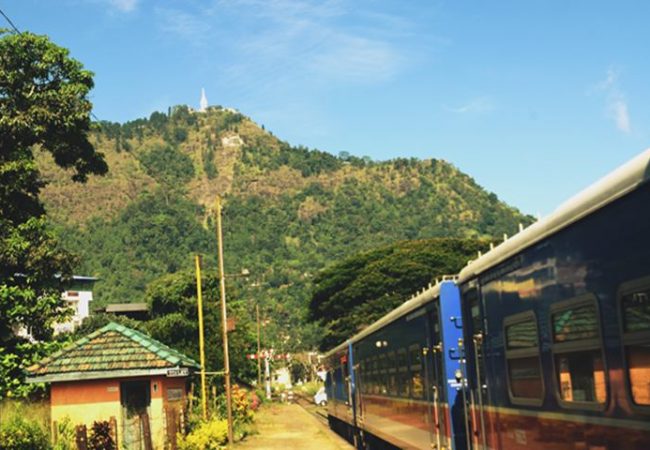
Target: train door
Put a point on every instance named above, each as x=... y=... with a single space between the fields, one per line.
x=451 y=359
x=358 y=387
x=439 y=422
x=475 y=330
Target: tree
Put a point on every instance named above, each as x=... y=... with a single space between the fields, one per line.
x=44 y=106
x=352 y=294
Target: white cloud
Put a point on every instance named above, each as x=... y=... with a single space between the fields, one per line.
x=617 y=108
x=621 y=116
x=474 y=106
x=124 y=5
x=295 y=38
x=191 y=27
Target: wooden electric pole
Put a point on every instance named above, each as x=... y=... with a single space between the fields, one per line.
x=224 y=322
x=259 y=347
x=204 y=403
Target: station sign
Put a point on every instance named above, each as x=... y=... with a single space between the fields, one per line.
x=178 y=372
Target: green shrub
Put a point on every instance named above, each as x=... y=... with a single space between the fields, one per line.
x=310 y=388
x=20 y=434
x=100 y=437
x=65 y=435
x=210 y=435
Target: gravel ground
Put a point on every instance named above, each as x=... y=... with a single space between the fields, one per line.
x=288 y=427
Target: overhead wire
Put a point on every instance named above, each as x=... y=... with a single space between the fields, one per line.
x=10 y=22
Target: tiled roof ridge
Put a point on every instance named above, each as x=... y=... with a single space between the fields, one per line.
x=76 y=344
x=159 y=349
x=154 y=346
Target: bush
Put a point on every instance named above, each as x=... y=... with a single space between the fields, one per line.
x=65 y=435
x=310 y=388
x=210 y=435
x=100 y=437
x=20 y=434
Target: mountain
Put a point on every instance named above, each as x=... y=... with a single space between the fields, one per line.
x=288 y=211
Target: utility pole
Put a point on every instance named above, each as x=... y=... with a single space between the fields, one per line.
x=224 y=322
x=267 y=374
x=204 y=404
x=259 y=346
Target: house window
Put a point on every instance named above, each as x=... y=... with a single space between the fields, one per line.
x=523 y=360
x=577 y=351
x=635 y=306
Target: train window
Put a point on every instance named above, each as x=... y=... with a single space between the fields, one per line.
x=636 y=311
x=635 y=304
x=392 y=373
x=417 y=381
x=575 y=324
x=381 y=376
x=402 y=373
x=577 y=351
x=361 y=376
x=523 y=359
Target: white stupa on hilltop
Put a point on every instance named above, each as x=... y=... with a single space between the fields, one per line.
x=203 y=104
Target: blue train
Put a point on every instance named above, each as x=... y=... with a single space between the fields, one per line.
x=541 y=343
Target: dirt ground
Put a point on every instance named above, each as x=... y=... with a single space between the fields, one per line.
x=288 y=427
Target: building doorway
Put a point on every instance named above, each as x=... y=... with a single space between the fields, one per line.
x=135 y=397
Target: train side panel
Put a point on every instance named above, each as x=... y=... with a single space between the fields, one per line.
x=558 y=337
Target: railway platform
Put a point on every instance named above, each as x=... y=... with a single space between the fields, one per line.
x=289 y=426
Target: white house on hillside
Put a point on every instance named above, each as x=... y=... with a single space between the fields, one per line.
x=78 y=298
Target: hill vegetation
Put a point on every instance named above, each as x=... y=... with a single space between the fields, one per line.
x=352 y=294
x=289 y=211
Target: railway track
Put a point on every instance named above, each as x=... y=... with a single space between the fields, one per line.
x=318 y=412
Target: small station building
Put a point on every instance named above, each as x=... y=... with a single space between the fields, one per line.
x=122 y=376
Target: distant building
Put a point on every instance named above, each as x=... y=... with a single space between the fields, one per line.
x=136 y=311
x=121 y=376
x=282 y=376
x=203 y=105
x=77 y=297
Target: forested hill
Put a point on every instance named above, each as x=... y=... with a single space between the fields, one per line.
x=289 y=211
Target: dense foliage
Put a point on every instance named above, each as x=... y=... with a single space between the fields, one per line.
x=100 y=437
x=44 y=104
x=18 y=433
x=288 y=212
x=209 y=435
x=172 y=302
x=352 y=294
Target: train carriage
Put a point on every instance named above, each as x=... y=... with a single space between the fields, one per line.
x=395 y=381
x=552 y=352
x=557 y=325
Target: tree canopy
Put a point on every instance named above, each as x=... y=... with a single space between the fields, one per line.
x=43 y=107
x=352 y=294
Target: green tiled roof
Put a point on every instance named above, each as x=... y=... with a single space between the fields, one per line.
x=113 y=348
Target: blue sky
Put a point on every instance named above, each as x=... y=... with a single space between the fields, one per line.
x=534 y=99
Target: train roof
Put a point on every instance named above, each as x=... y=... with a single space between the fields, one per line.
x=410 y=305
x=613 y=186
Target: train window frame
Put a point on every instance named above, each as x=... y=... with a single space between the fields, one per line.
x=588 y=299
x=631 y=338
x=392 y=376
x=523 y=353
x=416 y=348
x=403 y=372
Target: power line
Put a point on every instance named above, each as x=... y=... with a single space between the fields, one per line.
x=10 y=22
x=92 y=114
